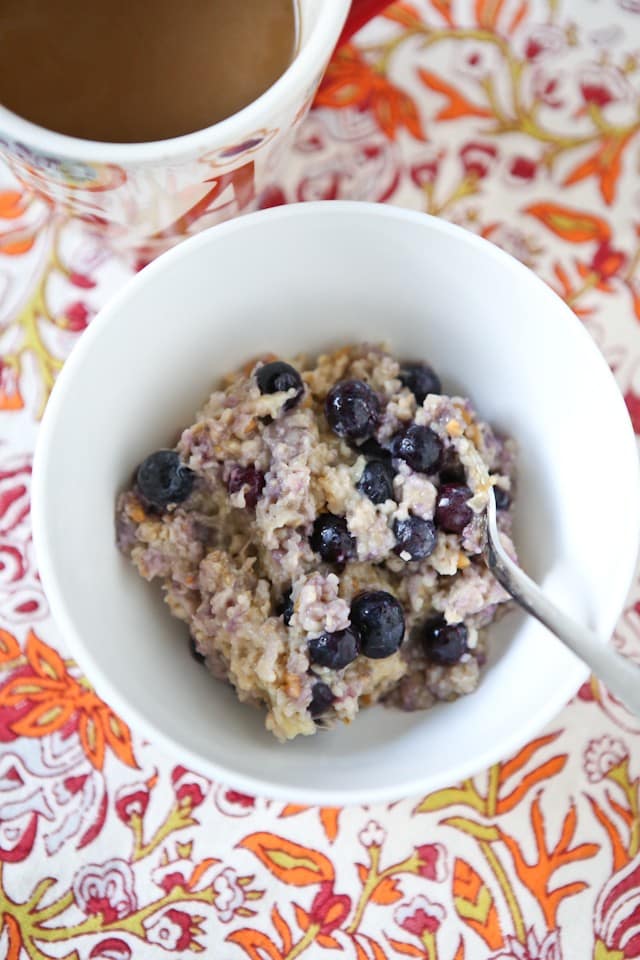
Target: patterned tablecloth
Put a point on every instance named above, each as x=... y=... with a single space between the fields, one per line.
x=519 y=119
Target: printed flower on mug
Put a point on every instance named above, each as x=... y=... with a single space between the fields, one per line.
x=602 y=755
x=105 y=888
x=548 y=88
x=190 y=788
x=174 y=930
x=521 y=170
x=420 y=916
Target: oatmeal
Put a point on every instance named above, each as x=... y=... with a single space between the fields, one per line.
x=320 y=528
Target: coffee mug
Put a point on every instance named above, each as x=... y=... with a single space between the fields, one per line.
x=147 y=196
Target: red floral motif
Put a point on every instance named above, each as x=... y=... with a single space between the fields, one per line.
x=113 y=948
x=131 y=801
x=547 y=88
x=420 y=916
x=544 y=41
x=17 y=837
x=617 y=913
x=601 y=86
x=607 y=262
x=432 y=861
x=522 y=169
x=545 y=948
x=105 y=888
x=478 y=159
x=190 y=788
x=328 y=909
x=173 y=930
x=15 y=486
x=75 y=316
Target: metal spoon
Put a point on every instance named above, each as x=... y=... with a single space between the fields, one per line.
x=621 y=676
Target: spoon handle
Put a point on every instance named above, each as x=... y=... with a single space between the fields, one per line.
x=620 y=675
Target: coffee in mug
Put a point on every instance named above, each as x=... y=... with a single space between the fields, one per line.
x=126 y=71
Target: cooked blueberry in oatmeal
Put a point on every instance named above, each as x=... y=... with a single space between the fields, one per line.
x=278 y=377
x=420 y=447
x=444 y=642
x=334 y=650
x=352 y=409
x=416 y=538
x=162 y=479
x=379 y=620
x=331 y=539
x=376 y=481
x=453 y=512
x=420 y=379
x=319 y=528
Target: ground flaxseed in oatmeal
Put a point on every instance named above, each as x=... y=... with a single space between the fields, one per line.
x=320 y=530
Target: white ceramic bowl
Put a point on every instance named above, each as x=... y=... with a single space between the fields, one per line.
x=310 y=277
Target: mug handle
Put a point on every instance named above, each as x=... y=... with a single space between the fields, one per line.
x=361 y=12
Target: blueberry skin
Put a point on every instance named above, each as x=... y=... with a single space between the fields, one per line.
x=334 y=650
x=420 y=447
x=378 y=618
x=421 y=379
x=331 y=539
x=444 y=643
x=415 y=536
x=376 y=481
x=503 y=498
x=352 y=409
x=321 y=699
x=163 y=479
x=285 y=608
x=453 y=513
x=250 y=477
x=278 y=377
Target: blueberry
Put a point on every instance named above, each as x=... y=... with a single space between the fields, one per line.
x=278 y=377
x=352 y=409
x=376 y=481
x=248 y=477
x=503 y=498
x=193 y=649
x=443 y=642
x=453 y=512
x=420 y=379
x=285 y=608
x=451 y=470
x=163 y=479
x=334 y=650
x=321 y=699
x=331 y=539
x=378 y=618
x=415 y=536
x=420 y=447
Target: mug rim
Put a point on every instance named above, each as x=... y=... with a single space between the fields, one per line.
x=331 y=17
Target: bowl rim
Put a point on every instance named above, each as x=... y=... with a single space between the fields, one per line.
x=61 y=609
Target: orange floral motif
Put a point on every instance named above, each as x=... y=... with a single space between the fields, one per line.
x=351 y=82
x=55 y=698
x=289 y=862
x=536 y=876
x=475 y=905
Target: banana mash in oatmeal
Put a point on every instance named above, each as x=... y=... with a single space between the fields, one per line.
x=320 y=530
